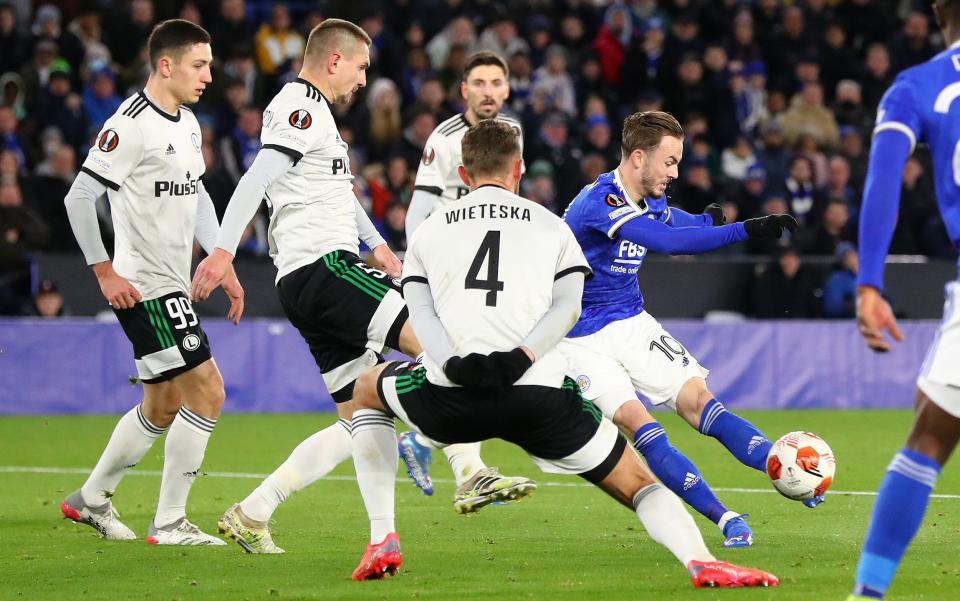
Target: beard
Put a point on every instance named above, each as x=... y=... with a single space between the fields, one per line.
x=647 y=182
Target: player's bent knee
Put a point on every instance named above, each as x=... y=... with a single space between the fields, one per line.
x=631 y=416
x=365 y=395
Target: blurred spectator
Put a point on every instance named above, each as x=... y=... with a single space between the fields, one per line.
x=48 y=302
x=748 y=194
x=129 y=28
x=36 y=73
x=830 y=231
x=592 y=166
x=410 y=147
x=241 y=66
x=838 y=184
x=414 y=73
x=47 y=26
x=9 y=167
x=399 y=179
x=878 y=77
x=743 y=47
x=538 y=185
x=599 y=140
x=837 y=59
x=682 y=41
x=276 y=43
x=553 y=83
x=521 y=84
x=386 y=52
x=12 y=40
x=911 y=45
x=539 y=32
x=718 y=19
x=226 y=112
x=851 y=148
x=803 y=198
x=737 y=159
x=786 y=289
x=792 y=42
x=385 y=128
x=13 y=94
x=696 y=187
x=100 y=98
x=88 y=29
x=58 y=106
x=501 y=37
x=772 y=205
x=553 y=146
x=48 y=187
x=721 y=110
x=589 y=82
x=643 y=64
x=917 y=207
x=394 y=230
x=689 y=93
x=807 y=114
x=865 y=21
x=242 y=146
x=434 y=98
x=573 y=37
x=9 y=140
x=848 y=106
x=231 y=31
x=611 y=43
x=840 y=289
x=458 y=33
x=21 y=231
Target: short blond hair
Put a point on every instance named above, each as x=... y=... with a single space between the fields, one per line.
x=333 y=35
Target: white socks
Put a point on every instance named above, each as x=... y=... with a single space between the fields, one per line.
x=131 y=439
x=668 y=523
x=375 y=457
x=464 y=460
x=183 y=453
x=313 y=458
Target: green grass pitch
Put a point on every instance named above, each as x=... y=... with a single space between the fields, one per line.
x=568 y=541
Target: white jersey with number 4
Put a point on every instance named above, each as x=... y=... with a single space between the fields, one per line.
x=442 y=155
x=150 y=162
x=312 y=206
x=491 y=261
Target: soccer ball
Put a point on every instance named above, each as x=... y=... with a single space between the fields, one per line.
x=801 y=465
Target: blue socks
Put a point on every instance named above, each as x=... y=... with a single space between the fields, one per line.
x=676 y=471
x=901 y=503
x=740 y=437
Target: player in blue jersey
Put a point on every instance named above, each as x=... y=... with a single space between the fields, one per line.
x=616 y=348
x=920 y=106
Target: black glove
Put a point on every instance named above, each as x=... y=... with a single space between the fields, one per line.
x=715 y=212
x=771 y=226
x=497 y=370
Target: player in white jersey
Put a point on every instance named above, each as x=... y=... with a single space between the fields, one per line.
x=485 y=86
x=490 y=312
x=148 y=160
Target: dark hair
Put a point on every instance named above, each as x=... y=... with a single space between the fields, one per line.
x=484 y=57
x=332 y=35
x=488 y=147
x=644 y=131
x=174 y=37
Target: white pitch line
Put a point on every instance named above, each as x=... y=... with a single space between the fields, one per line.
x=28 y=469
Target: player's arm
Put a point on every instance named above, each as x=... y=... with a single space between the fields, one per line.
x=660 y=237
x=878 y=220
x=428 y=186
x=562 y=314
x=712 y=215
x=81 y=208
x=206 y=234
x=425 y=321
x=268 y=166
x=386 y=259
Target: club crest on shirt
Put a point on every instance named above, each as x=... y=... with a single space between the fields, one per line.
x=300 y=119
x=195 y=139
x=615 y=201
x=108 y=141
x=429 y=155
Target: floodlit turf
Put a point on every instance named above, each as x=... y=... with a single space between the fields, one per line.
x=566 y=542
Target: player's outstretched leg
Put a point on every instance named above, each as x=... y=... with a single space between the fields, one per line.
x=247 y=522
x=680 y=475
x=92 y=504
x=416 y=453
x=668 y=523
x=904 y=495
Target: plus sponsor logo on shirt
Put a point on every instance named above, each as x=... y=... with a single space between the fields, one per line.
x=171 y=188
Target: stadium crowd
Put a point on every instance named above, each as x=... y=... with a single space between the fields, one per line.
x=777 y=100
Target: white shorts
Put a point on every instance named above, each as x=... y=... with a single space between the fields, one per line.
x=626 y=356
x=940 y=374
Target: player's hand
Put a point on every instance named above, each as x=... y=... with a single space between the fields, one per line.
x=770 y=226
x=715 y=212
x=210 y=273
x=495 y=371
x=116 y=289
x=874 y=315
x=388 y=262
x=231 y=285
